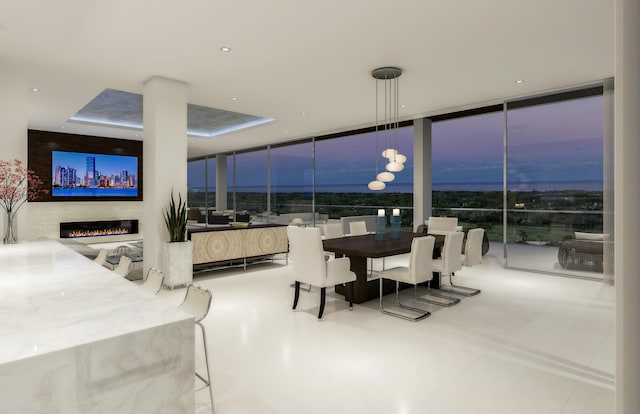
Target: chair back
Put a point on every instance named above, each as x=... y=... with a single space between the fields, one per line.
x=197 y=302
x=154 y=280
x=308 y=261
x=451 y=257
x=358 y=228
x=442 y=225
x=123 y=266
x=121 y=250
x=101 y=258
x=333 y=230
x=420 y=259
x=473 y=247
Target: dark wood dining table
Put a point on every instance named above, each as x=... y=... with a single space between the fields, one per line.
x=359 y=248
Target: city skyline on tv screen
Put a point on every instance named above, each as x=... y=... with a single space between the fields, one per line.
x=93 y=175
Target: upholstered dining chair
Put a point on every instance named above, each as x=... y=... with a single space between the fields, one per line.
x=418 y=271
x=358 y=228
x=124 y=266
x=472 y=256
x=333 y=230
x=442 y=225
x=153 y=282
x=197 y=302
x=450 y=262
x=309 y=265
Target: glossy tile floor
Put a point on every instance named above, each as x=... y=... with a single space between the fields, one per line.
x=529 y=343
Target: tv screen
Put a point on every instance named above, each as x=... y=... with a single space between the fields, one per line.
x=79 y=174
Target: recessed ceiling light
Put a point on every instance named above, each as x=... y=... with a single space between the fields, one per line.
x=225 y=49
x=303 y=113
x=403 y=106
x=519 y=81
x=234 y=98
x=35 y=89
x=285 y=131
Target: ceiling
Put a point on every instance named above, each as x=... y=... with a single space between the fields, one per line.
x=306 y=65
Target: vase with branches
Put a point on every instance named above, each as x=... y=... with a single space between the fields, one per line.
x=18 y=185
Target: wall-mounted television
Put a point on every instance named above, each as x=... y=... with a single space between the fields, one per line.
x=86 y=168
x=83 y=174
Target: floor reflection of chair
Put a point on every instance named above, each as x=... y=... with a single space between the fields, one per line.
x=310 y=266
x=124 y=266
x=153 y=282
x=197 y=302
x=419 y=271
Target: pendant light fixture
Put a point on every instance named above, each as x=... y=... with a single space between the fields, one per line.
x=387 y=125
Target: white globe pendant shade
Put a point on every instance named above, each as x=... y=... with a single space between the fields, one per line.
x=385 y=177
x=395 y=167
x=389 y=153
x=376 y=185
x=399 y=158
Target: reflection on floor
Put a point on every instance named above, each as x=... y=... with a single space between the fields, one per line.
x=539 y=258
x=529 y=343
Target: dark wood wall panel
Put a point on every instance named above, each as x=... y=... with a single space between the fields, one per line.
x=41 y=143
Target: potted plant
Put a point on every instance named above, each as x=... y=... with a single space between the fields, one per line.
x=177 y=256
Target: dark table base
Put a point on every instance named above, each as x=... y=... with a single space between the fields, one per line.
x=364 y=291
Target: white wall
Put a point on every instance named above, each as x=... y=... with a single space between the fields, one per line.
x=45 y=218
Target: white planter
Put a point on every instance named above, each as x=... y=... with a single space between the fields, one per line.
x=177 y=263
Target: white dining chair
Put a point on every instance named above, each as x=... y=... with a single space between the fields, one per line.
x=309 y=265
x=418 y=271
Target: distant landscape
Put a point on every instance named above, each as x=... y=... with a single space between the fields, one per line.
x=533 y=215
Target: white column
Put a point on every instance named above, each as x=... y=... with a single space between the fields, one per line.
x=165 y=158
x=221 y=182
x=627 y=206
x=421 y=171
x=13 y=132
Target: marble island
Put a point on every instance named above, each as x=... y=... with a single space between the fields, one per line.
x=77 y=338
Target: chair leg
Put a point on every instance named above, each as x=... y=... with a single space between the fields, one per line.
x=448 y=300
x=296 y=294
x=323 y=292
x=207 y=382
x=455 y=289
x=350 y=292
x=467 y=291
x=422 y=314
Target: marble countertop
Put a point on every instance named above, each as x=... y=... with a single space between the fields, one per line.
x=52 y=298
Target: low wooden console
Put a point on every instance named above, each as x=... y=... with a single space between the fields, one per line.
x=224 y=243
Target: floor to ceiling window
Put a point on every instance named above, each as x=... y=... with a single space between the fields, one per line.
x=554 y=173
x=291 y=175
x=249 y=182
x=344 y=167
x=467 y=171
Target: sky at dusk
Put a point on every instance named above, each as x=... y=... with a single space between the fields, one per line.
x=551 y=142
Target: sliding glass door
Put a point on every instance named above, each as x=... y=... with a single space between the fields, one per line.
x=554 y=182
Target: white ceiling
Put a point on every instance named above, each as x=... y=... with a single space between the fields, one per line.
x=294 y=56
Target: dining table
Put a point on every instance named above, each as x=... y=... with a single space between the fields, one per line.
x=360 y=248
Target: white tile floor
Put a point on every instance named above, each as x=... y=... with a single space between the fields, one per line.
x=529 y=343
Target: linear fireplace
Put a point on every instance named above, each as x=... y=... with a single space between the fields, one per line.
x=97 y=228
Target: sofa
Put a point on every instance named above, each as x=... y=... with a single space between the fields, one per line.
x=582 y=251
